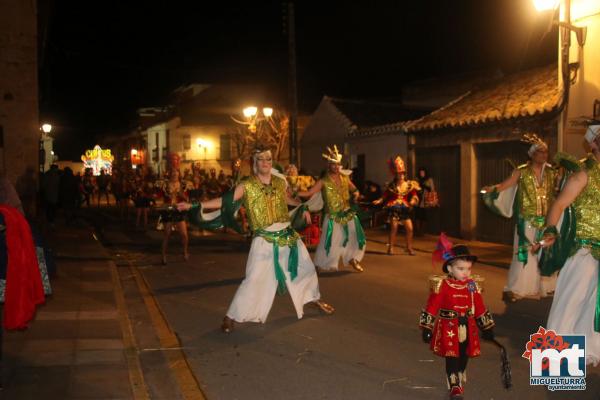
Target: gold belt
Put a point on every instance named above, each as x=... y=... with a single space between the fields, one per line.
x=451 y=314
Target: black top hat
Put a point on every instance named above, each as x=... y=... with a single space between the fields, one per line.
x=456 y=252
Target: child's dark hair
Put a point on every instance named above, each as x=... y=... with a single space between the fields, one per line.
x=450 y=263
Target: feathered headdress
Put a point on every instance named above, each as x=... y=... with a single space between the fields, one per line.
x=333 y=156
x=396 y=165
x=535 y=141
x=446 y=252
x=443 y=249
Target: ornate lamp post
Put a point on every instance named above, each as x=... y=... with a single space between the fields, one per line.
x=44 y=138
x=565 y=43
x=253 y=118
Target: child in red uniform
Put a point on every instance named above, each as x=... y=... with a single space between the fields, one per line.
x=454 y=311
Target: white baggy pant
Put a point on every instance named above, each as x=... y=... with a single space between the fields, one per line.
x=254 y=298
x=574 y=302
x=526 y=280
x=350 y=252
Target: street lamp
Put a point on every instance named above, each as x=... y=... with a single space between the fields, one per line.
x=250 y=112
x=547 y=5
x=267 y=111
x=253 y=118
x=46 y=128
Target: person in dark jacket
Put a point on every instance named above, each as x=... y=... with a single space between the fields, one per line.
x=68 y=194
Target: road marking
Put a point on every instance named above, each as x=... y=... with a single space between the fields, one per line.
x=392 y=381
x=136 y=377
x=177 y=361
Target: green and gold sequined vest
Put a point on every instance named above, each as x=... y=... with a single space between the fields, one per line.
x=587 y=204
x=265 y=204
x=336 y=197
x=534 y=199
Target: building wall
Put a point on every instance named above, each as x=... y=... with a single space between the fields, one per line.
x=164 y=133
x=208 y=155
x=149 y=138
x=586 y=89
x=377 y=151
x=19 y=118
x=324 y=129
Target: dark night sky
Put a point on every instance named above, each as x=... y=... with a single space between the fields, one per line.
x=102 y=60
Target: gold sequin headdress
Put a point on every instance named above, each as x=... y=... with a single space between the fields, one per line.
x=396 y=165
x=333 y=156
x=535 y=141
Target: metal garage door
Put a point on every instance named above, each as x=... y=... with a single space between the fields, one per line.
x=443 y=164
x=492 y=168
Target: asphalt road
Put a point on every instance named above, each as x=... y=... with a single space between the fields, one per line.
x=369 y=349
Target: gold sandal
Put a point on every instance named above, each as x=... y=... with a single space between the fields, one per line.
x=324 y=307
x=357 y=266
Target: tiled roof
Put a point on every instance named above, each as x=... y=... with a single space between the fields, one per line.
x=524 y=94
x=395 y=127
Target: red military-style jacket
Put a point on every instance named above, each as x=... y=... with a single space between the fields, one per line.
x=394 y=196
x=450 y=299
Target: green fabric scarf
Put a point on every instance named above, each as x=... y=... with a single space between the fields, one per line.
x=226 y=219
x=285 y=237
x=344 y=216
x=298 y=221
x=489 y=198
x=522 y=241
x=554 y=257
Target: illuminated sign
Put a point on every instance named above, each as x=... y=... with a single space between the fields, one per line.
x=98 y=159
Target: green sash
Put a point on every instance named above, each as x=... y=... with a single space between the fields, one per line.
x=285 y=237
x=343 y=217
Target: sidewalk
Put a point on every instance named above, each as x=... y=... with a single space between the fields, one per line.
x=100 y=335
x=498 y=255
x=74 y=348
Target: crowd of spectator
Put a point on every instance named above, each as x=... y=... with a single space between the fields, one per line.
x=125 y=187
x=138 y=191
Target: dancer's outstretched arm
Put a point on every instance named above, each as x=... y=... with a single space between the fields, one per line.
x=512 y=180
x=316 y=188
x=215 y=203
